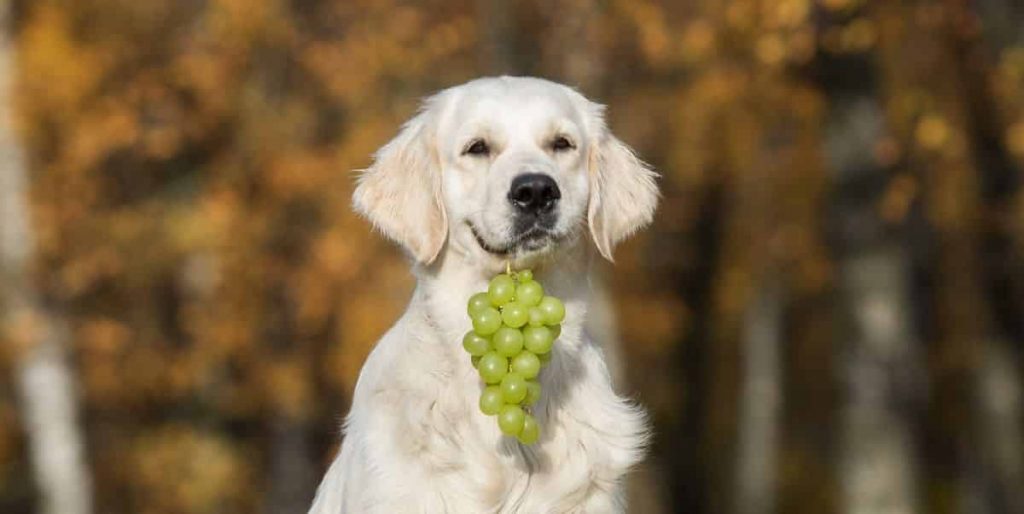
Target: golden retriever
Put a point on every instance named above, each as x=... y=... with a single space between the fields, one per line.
x=495 y=171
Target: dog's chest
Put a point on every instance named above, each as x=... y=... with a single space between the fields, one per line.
x=590 y=438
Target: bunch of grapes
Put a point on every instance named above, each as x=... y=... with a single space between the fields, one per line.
x=514 y=327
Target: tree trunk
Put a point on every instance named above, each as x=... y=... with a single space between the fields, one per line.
x=292 y=478
x=877 y=453
x=499 y=53
x=760 y=403
x=743 y=407
x=877 y=347
x=45 y=380
x=922 y=51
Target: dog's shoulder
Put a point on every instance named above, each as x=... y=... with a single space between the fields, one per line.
x=410 y=390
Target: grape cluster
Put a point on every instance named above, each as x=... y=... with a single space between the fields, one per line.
x=514 y=327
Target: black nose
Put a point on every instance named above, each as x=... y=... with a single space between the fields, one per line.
x=534 y=193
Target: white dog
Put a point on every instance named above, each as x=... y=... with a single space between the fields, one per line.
x=494 y=171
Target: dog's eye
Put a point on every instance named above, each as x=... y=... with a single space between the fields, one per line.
x=478 y=147
x=561 y=144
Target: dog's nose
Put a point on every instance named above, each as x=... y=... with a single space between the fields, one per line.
x=534 y=193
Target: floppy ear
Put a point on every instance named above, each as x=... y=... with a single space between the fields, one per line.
x=623 y=193
x=401 y=192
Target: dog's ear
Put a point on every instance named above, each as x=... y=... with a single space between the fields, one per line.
x=401 y=192
x=623 y=192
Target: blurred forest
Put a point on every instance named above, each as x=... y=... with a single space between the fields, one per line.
x=827 y=316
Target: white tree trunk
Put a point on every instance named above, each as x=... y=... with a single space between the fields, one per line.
x=878 y=355
x=877 y=457
x=760 y=413
x=44 y=379
x=1000 y=418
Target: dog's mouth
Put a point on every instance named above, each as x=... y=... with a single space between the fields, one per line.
x=535 y=238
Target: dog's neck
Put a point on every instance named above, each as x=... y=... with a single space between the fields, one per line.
x=455 y=276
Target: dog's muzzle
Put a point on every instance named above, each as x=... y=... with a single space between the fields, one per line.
x=534 y=198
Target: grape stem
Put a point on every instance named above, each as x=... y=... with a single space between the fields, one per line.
x=508 y=267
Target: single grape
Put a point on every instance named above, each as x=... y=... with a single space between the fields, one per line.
x=491 y=400
x=515 y=314
x=538 y=339
x=477 y=303
x=529 y=293
x=524 y=275
x=554 y=311
x=526 y=364
x=492 y=367
x=513 y=388
x=545 y=358
x=508 y=341
x=510 y=420
x=475 y=360
x=532 y=392
x=487 y=321
x=556 y=330
x=537 y=318
x=530 y=431
x=501 y=290
x=474 y=344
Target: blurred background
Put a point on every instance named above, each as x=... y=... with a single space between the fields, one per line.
x=827 y=315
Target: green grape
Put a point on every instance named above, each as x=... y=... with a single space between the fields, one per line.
x=492 y=367
x=537 y=317
x=514 y=329
x=501 y=290
x=510 y=420
x=508 y=341
x=513 y=388
x=530 y=431
x=554 y=311
x=487 y=321
x=529 y=293
x=538 y=339
x=515 y=314
x=532 y=392
x=477 y=303
x=491 y=400
x=475 y=345
x=526 y=364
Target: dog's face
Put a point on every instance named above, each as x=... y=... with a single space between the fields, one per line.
x=514 y=163
x=506 y=168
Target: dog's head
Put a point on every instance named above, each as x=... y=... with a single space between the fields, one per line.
x=506 y=168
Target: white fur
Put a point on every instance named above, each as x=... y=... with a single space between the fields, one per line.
x=415 y=440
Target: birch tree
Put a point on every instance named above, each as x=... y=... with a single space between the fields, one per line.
x=45 y=380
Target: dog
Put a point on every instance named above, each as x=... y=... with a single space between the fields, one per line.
x=495 y=172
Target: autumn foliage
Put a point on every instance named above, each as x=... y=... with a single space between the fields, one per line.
x=191 y=171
